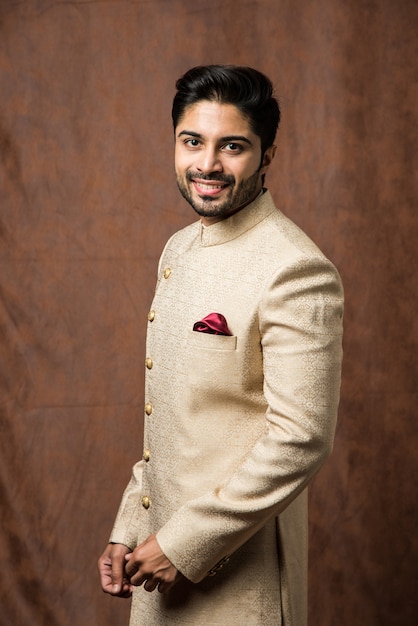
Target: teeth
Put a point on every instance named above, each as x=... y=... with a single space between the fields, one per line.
x=210 y=187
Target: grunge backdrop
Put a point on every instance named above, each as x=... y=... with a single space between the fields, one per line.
x=88 y=199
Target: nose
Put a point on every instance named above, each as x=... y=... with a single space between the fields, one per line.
x=209 y=161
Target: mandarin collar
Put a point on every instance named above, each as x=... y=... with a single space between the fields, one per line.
x=239 y=223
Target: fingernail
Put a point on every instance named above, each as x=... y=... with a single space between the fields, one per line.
x=115 y=587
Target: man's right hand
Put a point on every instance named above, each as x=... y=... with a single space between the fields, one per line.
x=111 y=565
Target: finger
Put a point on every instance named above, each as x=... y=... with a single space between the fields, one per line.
x=150 y=584
x=164 y=586
x=167 y=582
x=133 y=567
x=139 y=578
x=126 y=590
x=118 y=576
x=105 y=570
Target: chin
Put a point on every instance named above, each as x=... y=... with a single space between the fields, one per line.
x=210 y=208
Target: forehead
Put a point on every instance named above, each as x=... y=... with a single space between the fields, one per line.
x=214 y=119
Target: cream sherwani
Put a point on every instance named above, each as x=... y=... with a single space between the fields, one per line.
x=235 y=426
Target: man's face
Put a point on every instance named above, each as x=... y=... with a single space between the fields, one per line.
x=218 y=160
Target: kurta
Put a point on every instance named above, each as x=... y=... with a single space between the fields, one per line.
x=235 y=426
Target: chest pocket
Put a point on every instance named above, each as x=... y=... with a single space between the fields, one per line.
x=213 y=363
x=207 y=341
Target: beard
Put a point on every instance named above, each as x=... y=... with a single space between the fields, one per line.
x=206 y=206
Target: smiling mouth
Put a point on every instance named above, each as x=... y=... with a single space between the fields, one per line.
x=208 y=188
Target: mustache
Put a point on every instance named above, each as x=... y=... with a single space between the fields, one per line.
x=220 y=178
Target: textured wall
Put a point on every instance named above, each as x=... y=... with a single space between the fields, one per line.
x=88 y=199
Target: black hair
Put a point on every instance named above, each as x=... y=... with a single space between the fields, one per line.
x=246 y=88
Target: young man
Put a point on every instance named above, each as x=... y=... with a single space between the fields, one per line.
x=242 y=382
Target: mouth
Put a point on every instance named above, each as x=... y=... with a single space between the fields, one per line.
x=208 y=187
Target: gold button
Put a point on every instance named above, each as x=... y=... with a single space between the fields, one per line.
x=146 y=455
x=216 y=568
x=167 y=272
x=149 y=363
x=148 y=408
x=151 y=316
x=146 y=502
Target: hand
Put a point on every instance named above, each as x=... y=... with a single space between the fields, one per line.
x=148 y=564
x=112 y=571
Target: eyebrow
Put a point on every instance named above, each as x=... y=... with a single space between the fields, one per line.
x=228 y=138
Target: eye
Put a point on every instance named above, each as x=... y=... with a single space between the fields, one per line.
x=234 y=148
x=192 y=142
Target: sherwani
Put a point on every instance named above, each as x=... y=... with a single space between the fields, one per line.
x=235 y=426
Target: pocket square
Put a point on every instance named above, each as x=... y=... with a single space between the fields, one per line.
x=214 y=323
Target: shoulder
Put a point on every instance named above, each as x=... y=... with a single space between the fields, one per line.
x=291 y=255
x=280 y=230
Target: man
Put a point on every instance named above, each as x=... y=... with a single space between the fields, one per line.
x=242 y=382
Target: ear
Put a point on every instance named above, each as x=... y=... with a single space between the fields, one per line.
x=268 y=156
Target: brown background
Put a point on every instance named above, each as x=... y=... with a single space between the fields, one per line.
x=88 y=199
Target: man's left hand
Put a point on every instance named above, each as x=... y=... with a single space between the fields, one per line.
x=148 y=565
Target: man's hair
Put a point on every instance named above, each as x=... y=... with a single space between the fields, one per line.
x=244 y=87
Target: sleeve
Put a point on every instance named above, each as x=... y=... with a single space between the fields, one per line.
x=125 y=528
x=300 y=324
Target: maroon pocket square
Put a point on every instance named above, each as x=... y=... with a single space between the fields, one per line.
x=214 y=323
